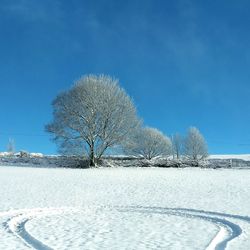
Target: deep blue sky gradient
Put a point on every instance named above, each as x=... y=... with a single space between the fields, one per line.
x=184 y=62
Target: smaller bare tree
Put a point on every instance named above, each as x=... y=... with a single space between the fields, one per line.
x=195 y=145
x=177 y=145
x=148 y=143
x=11 y=146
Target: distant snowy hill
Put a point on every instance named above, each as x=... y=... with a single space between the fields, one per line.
x=18 y=154
x=245 y=157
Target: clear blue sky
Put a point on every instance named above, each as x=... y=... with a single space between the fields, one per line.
x=184 y=62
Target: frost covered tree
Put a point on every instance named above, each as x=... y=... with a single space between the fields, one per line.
x=148 y=143
x=93 y=115
x=177 y=145
x=195 y=145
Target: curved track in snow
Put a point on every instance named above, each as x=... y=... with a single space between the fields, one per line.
x=227 y=230
x=17 y=220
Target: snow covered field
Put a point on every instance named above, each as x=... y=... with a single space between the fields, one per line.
x=132 y=208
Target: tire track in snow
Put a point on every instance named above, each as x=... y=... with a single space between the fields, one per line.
x=236 y=230
x=233 y=216
x=18 y=219
x=16 y=225
x=227 y=229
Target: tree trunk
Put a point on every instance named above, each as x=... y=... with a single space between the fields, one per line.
x=92 y=157
x=177 y=154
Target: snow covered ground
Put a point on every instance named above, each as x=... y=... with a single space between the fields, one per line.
x=124 y=208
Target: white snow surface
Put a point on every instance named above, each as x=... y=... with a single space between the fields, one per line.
x=124 y=208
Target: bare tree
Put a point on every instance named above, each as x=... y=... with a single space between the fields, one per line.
x=177 y=145
x=148 y=143
x=95 y=114
x=11 y=146
x=195 y=145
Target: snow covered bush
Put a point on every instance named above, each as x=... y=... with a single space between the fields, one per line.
x=195 y=146
x=148 y=143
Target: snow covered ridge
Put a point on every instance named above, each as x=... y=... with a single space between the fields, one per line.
x=181 y=163
x=4 y=154
x=30 y=160
x=39 y=160
x=245 y=157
